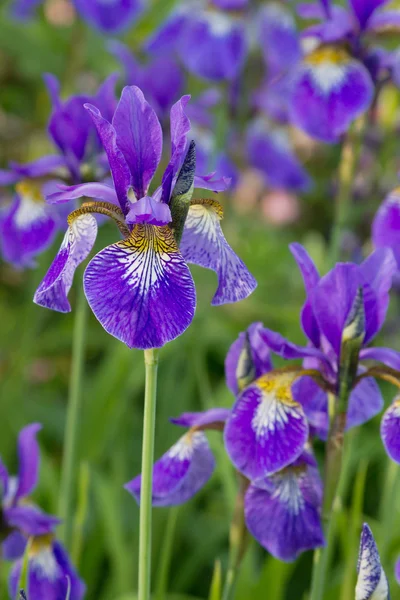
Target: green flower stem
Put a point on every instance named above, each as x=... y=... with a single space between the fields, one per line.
x=71 y=434
x=149 y=422
x=388 y=507
x=166 y=554
x=347 y=168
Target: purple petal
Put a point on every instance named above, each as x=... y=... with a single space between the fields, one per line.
x=363 y=9
x=139 y=137
x=202 y=419
x=180 y=126
x=37 y=168
x=387 y=356
x=118 y=165
x=166 y=38
x=371 y=581
x=204 y=244
x=30 y=520
x=24 y=9
x=310 y=278
x=329 y=90
x=76 y=246
x=28 y=460
x=13 y=546
x=271 y=153
x=100 y=191
x=4 y=477
x=213 y=45
x=147 y=210
x=382 y=21
x=180 y=473
x=281 y=346
x=231 y=4
x=365 y=403
x=105 y=99
x=386 y=225
x=8 y=177
x=163 y=82
x=272 y=97
x=397 y=570
x=278 y=37
x=284 y=516
x=260 y=355
x=140 y=289
x=335 y=29
x=112 y=16
x=207 y=182
x=27 y=228
x=267 y=429
x=390 y=430
x=314 y=401
x=50 y=572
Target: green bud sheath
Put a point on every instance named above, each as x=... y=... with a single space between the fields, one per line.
x=183 y=192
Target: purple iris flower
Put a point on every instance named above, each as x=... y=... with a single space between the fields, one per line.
x=332 y=86
x=269 y=150
x=209 y=38
x=186 y=467
x=386 y=225
x=20 y=518
x=372 y=582
x=108 y=16
x=161 y=79
x=50 y=572
x=329 y=303
x=140 y=288
x=28 y=225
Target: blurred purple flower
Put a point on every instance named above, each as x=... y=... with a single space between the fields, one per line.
x=141 y=289
x=209 y=40
x=20 y=518
x=50 y=572
x=386 y=225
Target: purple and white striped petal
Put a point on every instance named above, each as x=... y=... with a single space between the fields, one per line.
x=76 y=246
x=28 y=460
x=260 y=356
x=148 y=210
x=386 y=225
x=390 y=430
x=267 y=429
x=372 y=583
x=329 y=90
x=283 y=514
x=180 y=473
x=27 y=227
x=140 y=289
x=139 y=137
x=204 y=244
x=205 y=419
x=50 y=573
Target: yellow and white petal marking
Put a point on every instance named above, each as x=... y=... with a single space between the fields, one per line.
x=267 y=429
x=328 y=67
x=140 y=289
x=32 y=207
x=42 y=560
x=204 y=244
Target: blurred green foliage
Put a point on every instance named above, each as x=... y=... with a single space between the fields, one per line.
x=35 y=356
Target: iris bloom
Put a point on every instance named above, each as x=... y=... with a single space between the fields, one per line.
x=28 y=225
x=20 y=518
x=50 y=572
x=109 y=17
x=333 y=86
x=140 y=288
x=330 y=302
x=386 y=225
x=209 y=38
x=372 y=583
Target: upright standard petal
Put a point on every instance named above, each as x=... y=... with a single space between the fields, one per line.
x=390 y=430
x=27 y=227
x=278 y=37
x=50 y=572
x=140 y=289
x=372 y=583
x=386 y=225
x=267 y=429
x=28 y=458
x=204 y=244
x=148 y=210
x=76 y=246
x=270 y=152
x=180 y=473
x=283 y=514
x=139 y=137
x=363 y=9
x=260 y=357
x=329 y=90
x=310 y=278
x=110 y=16
x=180 y=127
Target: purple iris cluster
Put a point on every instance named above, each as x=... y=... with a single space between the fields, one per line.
x=278 y=413
x=50 y=570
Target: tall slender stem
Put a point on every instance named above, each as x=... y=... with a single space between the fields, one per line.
x=347 y=168
x=149 y=422
x=71 y=433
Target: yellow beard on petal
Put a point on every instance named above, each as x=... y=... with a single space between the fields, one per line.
x=278 y=384
x=145 y=238
x=328 y=54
